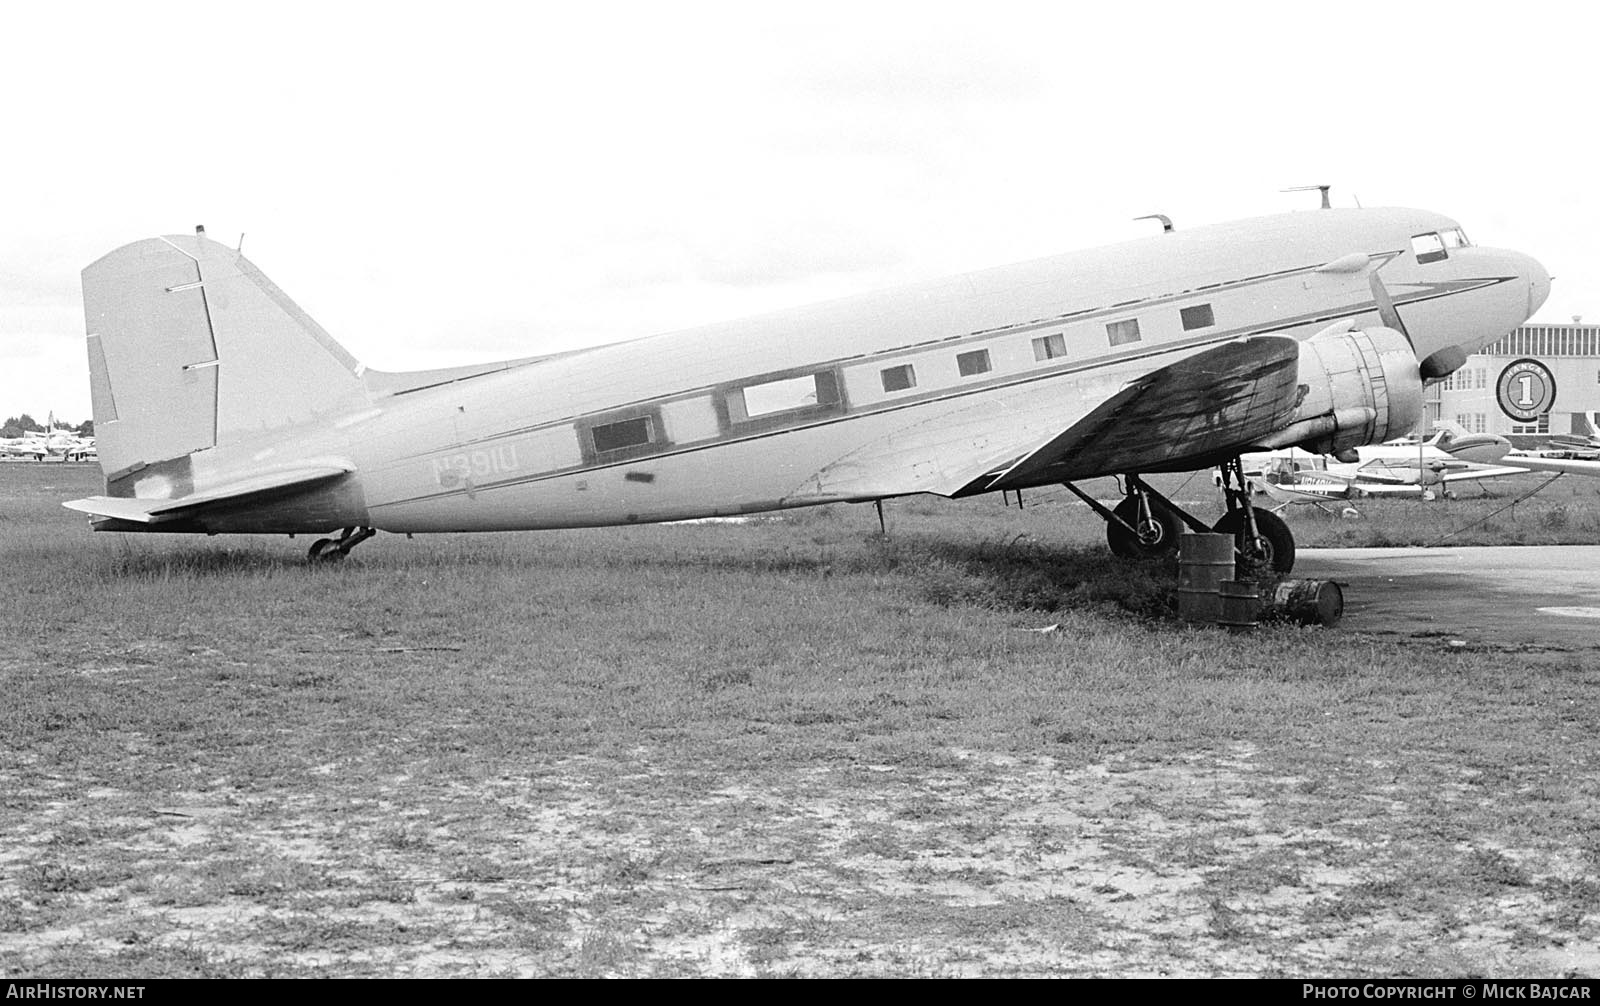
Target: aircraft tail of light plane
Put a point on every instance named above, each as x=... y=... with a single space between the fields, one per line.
x=221 y=407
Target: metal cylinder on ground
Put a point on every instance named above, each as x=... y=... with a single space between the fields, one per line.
x=1309 y=602
x=1239 y=602
x=1204 y=561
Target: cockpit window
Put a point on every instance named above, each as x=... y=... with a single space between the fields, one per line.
x=1429 y=247
x=1455 y=238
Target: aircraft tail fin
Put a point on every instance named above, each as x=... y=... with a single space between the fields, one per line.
x=190 y=346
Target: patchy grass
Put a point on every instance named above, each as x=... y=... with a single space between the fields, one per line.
x=787 y=747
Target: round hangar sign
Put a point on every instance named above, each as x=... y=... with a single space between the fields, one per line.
x=1526 y=390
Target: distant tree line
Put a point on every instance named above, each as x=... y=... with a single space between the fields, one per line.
x=17 y=426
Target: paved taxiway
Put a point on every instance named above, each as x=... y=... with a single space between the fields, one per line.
x=1542 y=595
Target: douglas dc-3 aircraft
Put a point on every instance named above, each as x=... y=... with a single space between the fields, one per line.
x=219 y=406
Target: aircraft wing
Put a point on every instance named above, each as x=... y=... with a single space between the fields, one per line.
x=1482 y=472
x=1570 y=466
x=1385 y=488
x=1177 y=418
x=155 y=511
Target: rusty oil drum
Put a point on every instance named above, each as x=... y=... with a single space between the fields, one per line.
x=1308 y=602
x=1240 y=604
x=1204 y=561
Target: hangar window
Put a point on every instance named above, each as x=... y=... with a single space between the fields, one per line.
x=1123 y=332
x=1198 y=316
x=1540 y=425
x=1050 y=347
x=619 y=436
x=1429 y=247
x=899 y=378
x=973 y=363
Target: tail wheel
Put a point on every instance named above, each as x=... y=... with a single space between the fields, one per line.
x=1273 y=544
x=325 y=550
x=1155 y=534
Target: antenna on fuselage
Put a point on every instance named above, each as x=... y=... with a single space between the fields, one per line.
x=1317 y=188
x=1166 y=221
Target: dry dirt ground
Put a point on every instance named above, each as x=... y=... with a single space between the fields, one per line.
x=984 y=865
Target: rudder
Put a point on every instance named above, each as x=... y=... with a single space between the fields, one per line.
x=190 y=346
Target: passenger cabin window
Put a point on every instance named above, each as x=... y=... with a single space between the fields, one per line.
x=786 y=394
x=1429 y=248
x=780 y=396
x=620 y=436
x=899 y=378
x=1198 y=316
x=973 y=363
x=1123 y=332
x=1050 y=347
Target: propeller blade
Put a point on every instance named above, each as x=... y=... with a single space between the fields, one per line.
x=1386 y=311
x=1438 y=365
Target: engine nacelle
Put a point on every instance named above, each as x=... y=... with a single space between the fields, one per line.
x=1357 y=386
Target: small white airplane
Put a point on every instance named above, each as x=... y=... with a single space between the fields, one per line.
x=1575 y=445
x=1405 y=466
x=221 y=407
x=53 y=443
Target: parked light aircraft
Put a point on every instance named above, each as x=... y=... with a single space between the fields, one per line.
x=54 y=443
x=221 y=407
x=1406 y=466
x=1576 y=445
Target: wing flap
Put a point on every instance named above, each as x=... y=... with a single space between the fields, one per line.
x=155 y=511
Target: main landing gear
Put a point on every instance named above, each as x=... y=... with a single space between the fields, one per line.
x=329 y=550
x=1146 y=524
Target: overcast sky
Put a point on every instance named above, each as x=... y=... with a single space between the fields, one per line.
x=445 y=184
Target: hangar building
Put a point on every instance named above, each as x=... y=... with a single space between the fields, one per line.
x=1570 y=359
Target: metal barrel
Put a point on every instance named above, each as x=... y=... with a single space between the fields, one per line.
x=1204 y=561
x=1309 y=602
x=1240 y=603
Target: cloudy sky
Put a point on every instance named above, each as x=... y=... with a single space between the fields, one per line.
x=445 y=184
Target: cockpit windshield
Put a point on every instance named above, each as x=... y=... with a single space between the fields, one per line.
x=1435 y=246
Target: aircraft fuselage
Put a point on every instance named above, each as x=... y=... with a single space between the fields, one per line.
x=742 y=416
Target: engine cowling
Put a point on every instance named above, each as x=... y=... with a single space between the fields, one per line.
x=1357 y=386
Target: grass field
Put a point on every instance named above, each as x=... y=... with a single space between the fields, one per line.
x=790 y=746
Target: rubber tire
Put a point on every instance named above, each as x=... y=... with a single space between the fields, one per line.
x=1275 y=539
x=324 y=550
x=1129 y=546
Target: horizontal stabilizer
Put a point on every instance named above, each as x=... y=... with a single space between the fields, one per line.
x=155 y=511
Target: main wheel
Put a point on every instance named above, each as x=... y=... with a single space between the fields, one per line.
x=324 y=550
x=1156 y=536
x=1273 y=544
